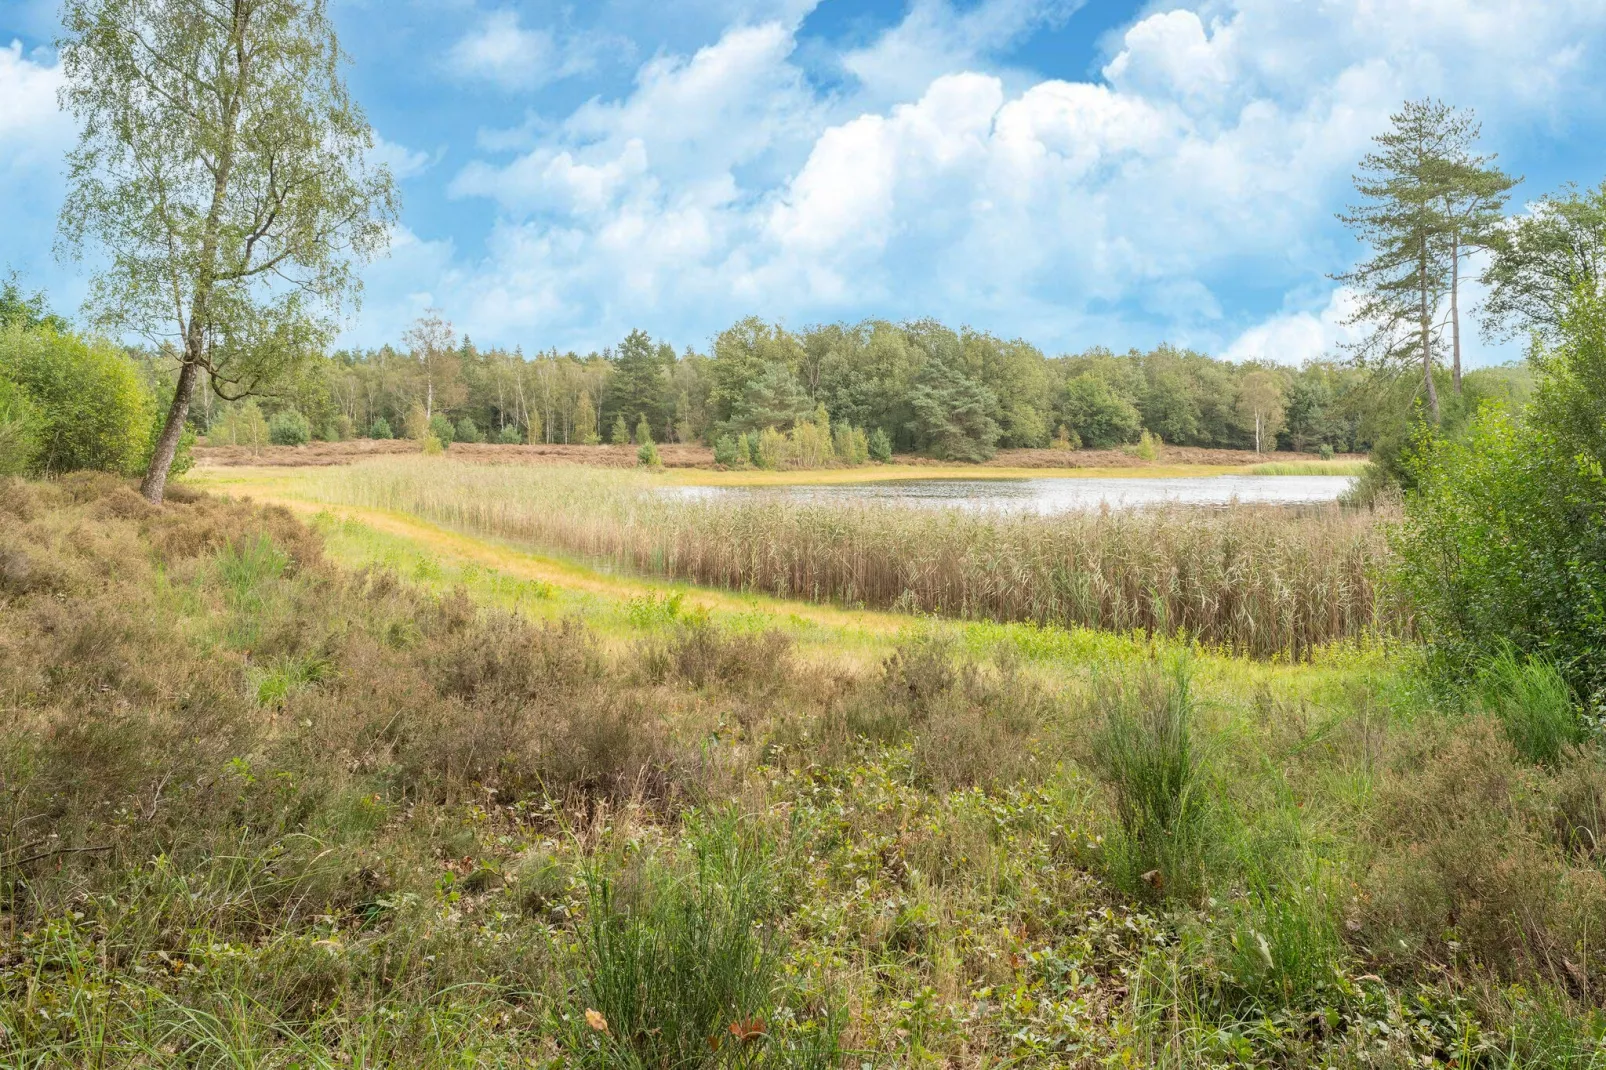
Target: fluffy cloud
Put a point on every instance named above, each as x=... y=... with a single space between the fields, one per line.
x=502 y=51
x=935 y=39
x=1205 y=163
x=33 y=133
x=1295 y=337
x=404 y=163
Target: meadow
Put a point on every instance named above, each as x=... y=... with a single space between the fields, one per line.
x=363 y=790
x=1263 y=582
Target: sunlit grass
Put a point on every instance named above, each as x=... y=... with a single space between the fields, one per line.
x=1255 y=580
x=1307 y=468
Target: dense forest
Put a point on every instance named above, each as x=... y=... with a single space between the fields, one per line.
x=928 y=388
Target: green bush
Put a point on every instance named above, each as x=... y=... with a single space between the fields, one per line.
x=380 y=429
x=619 y=435
x=730 y=451
x=646 y=452
x=880 y=446
x=289 y=428
x=18 y=429
x=1325 y=451
x=1148 y=447
x=466 y=431
x=339 y=428
x=1504 y=540
x=510 y=436
x=441 y=429
x=90 y=405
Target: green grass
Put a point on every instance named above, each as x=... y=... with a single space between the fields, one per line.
x=383 y=794
x=1260 y=581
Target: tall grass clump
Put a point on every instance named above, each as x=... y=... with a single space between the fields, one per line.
x=1534 y=705
x=1145 y=752
x=680 y=966
x=1256 y=581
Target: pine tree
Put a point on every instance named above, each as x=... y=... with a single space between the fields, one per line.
x=1404 y=187
x=1474 y=194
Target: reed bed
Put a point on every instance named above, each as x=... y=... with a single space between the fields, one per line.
x=1260 y=581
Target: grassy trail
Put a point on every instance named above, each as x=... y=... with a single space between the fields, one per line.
x=548 y=586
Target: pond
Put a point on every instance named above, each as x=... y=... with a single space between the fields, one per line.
x=1046 y=496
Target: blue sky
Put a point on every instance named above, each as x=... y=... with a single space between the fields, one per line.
x=1104 y=172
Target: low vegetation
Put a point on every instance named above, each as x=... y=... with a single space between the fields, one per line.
x=1261 y=582
x=259 y=809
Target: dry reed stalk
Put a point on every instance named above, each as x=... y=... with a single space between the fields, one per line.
x=1262 y=581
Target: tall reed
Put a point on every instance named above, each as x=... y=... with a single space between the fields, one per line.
x=1256 y=580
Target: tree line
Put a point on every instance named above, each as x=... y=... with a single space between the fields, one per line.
x=226 y=174
x=920 y=386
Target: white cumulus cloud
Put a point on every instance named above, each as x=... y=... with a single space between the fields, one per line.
x=1210 y=154
x=499 y=49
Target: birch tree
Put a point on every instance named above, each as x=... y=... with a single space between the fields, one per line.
x=223 y=168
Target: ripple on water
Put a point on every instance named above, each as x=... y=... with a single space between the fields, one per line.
x=1046 y=496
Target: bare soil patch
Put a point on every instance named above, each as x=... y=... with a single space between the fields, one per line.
x=316 y=454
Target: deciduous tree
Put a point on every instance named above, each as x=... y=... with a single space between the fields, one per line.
x=223 y=167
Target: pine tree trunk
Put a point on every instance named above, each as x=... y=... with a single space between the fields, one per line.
x=1427 y=334
x=1455 y=309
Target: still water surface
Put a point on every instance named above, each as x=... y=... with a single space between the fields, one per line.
x=1048 y=495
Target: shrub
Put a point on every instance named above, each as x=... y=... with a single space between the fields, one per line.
x=1143 y=750
x=647 y=455
x=731 y=451
x=432 y=446
x=771 y=450
x=416 y=425
x=1467 y=867
x=620 y=433
x=91 y=408
x=1066 y=439
x=339 y=429
x=880 y=446
x=466 y=431
x=842 y=442
x=380 y=429
x=18 y=429
x=1325 y=451
x=1148 y=447
x=289 y=428
x=1099 y=416
x=1533 y=703
x=441 y=429
x=510 y=436
x=861 y=446
x=1504 y=537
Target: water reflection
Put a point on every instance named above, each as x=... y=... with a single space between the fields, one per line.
x=1046 y=496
